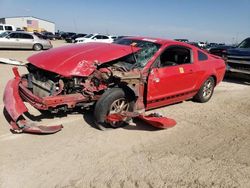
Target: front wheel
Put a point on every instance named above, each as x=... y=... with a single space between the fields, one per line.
x=206 y=91
x=112 y=101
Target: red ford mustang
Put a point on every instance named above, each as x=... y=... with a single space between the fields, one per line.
x=124 y=78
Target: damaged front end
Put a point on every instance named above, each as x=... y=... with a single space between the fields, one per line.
x=15 y=107
x=66 y=85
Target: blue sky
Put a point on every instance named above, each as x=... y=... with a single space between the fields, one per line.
x=207 y=20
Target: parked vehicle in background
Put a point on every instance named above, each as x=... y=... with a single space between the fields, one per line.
x=219 y=50
x=238 y=58
x=95 y=38
x=50 y=35
x=202 y=44
x=211 y=45
x=59 y=34
x=5 y=27
x=19 y=29
x=23 y=40
x=71 y=39
x=115 y=38
x=182 y=40
x=194 y=44
x=40 y=35
x=65 y=35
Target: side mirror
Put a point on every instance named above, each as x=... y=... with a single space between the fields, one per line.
x=8 y=37
x=157 y=63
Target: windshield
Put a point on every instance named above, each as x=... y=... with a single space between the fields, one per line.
x=245 y=43
x=4 y=34
x=88 y=36
x=140 y=58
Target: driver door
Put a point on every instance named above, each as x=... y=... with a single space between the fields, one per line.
x=172 y=78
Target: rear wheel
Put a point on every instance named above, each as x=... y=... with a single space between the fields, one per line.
x=206 y=91
x=37 y=47
x=112 y=101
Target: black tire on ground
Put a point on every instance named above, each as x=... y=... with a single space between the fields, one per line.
x=105 y=105
x=206 y=91
x=37 y=47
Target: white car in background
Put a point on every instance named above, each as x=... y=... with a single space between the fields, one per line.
x=95 y=38
x=202 y=44
x=6 y=28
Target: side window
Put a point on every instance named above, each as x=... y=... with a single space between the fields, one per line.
x=175 y=55
x=25 y=36
x=98 y=36
x=202 y=56
x=14 y=35
x=105 y=37
x=8 y=28
x=1 y=28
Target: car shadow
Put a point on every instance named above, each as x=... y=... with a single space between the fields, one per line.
x=7 y=116
x=16 y=49
x=237 y=79
x=136 y=124
x=140 y=125
x=44 y=115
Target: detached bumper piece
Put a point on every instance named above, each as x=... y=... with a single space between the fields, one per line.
x=154 y=119
x=15 y=108
x=25 y=126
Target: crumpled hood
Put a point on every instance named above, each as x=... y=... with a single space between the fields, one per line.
x=79 y=59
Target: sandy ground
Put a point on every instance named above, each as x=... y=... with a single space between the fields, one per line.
x=209 y=147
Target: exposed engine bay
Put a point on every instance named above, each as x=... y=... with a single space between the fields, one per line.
x=45 y=84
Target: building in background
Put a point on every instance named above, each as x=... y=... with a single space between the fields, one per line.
x=29 y=23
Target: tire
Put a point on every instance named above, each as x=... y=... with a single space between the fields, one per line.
x=105 y=105
x=37 y=47
x=206 y=91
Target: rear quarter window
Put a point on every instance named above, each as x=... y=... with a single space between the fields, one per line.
x=105 y=37
x=202 y=56
x=1 y=28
